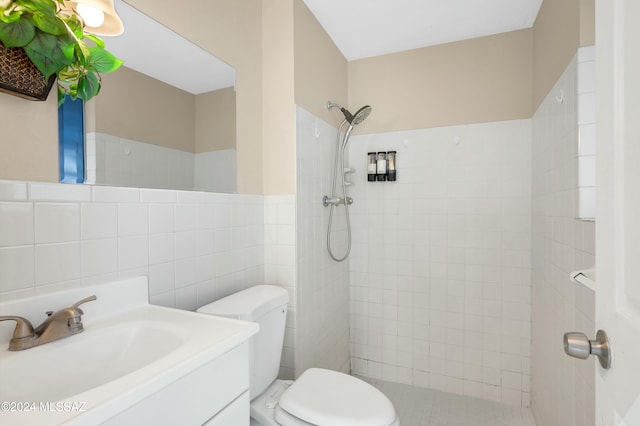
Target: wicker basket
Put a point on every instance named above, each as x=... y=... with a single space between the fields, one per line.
x=20 y=77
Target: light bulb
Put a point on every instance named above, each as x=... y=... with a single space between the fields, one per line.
x=92 y=17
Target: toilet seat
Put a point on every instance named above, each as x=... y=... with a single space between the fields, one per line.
x=325 y=397
x=285 y=419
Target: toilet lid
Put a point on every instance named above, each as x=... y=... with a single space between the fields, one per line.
x=325 y=397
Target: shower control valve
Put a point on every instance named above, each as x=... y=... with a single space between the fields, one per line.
x=331 y=201
x=335 y=201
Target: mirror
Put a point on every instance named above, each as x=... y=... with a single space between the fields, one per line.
x=167 y=118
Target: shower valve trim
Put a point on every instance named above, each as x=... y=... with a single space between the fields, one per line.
x=336 y=201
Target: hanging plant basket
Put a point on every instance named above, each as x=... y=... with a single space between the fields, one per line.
x=20 y=77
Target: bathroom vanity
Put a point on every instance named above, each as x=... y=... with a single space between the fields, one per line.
x=134 y=363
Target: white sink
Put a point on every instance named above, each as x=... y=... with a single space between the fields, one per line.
x=128 y=351
x=74 y=365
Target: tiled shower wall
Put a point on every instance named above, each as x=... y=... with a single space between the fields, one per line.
x=440 y=266
x=563 y=389
x=194 y=246
x=322 y=284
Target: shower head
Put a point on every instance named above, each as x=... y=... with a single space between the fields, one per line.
x=360 y=115
x=353 y=119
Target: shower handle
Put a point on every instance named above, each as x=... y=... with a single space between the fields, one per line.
x=336 y=201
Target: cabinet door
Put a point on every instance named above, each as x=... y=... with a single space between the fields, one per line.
x=195 y=397
x=236 y=413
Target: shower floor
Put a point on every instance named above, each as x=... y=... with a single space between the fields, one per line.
x=427 y=407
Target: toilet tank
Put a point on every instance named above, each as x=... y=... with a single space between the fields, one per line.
x=266 y=305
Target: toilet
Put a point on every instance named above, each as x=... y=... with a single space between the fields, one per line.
x=318 y=397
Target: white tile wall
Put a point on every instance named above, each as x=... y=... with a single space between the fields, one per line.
x=440 y=272
x=563 y=390
x=322 y=284
x=111 y=160
x=280 y=267
x=215 y=171
x=586 y=152
x=194 y=246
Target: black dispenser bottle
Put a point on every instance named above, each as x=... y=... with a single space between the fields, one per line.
x=372 y=167
x=391 y=166
x=381 y=166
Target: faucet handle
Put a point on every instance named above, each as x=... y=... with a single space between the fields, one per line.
x=23 y=326
x=85 y=300
x=73 y=314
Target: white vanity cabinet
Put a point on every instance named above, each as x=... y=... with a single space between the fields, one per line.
x=215 y=394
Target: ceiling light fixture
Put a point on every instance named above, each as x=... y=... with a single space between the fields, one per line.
x=92 y=17
x=99 y=16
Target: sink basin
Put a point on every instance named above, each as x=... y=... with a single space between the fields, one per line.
x=130 y=352
x=84 y=361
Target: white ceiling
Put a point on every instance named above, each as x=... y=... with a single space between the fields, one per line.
x=152 y=49
x=364 y=28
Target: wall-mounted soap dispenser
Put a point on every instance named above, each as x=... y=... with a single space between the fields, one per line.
x=381 y=167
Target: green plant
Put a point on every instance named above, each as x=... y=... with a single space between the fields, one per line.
x=54 y=40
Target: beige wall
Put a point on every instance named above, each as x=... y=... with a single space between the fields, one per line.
x=231 y=30
x=302 y=66
x=134 y=106
x=215 y=120
x=279 y=125
x=486 y=79
x=587 y=23
x=320 y=68
x=556 y=36
x=137 y=107
x=472 y=81
x=561 y=27
x=29 y=139
x=282 y=57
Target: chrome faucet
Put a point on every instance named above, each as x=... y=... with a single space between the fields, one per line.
x=63 y=323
